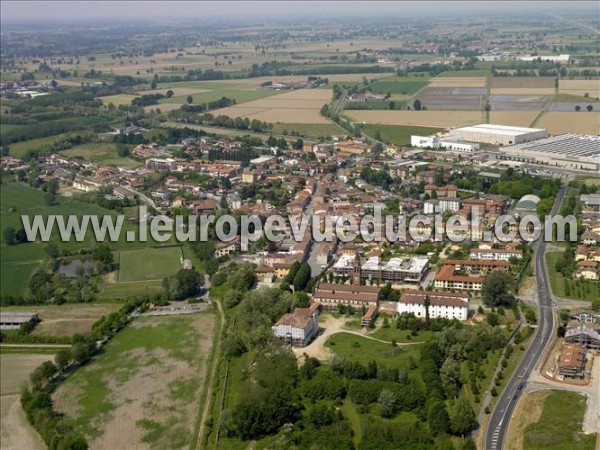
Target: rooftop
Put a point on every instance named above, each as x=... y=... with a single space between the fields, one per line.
x=499 y=129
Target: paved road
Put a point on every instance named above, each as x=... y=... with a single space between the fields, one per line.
x=498 y=424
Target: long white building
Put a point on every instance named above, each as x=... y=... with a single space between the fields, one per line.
x=446 y=305
x=499 y=134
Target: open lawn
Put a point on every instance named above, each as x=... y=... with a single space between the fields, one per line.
x=363 y=350
x=142 y=390
x=149 y=263
x=15 y=431
x=67 y=319
x=560 y=424
x=439 y=119
x=397 y=134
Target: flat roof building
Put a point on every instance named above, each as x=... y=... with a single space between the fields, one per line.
x=571 y=151
x=499 y=134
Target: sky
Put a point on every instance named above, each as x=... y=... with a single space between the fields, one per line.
x=67 y=11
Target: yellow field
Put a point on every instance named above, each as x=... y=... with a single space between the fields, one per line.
x=301 y=106
x=457 y=82
x=438 y=119
x=513 y=118
x=522 y=91
x=580 y=87
x=571 y=122
x=522 y=82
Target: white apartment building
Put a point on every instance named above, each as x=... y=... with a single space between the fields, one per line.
x=441 y=304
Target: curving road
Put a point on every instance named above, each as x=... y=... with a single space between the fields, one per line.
x=500 y=419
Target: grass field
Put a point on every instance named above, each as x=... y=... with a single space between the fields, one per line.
x=148 y=264
x=240 y=96
x=18 y=149
x=66 y=320
x=398 y=135
x=310 y=129
x=357 y=348
x=118 y=99
x=14 y=276
x=398 y=85
x=142 y=390
x=560 y=424
x=101 y=152
x=577 y=289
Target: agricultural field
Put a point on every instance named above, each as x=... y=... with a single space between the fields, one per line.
x=398 y=135
x=67 y=319
x=507 y=102
x=240 y=96
x=309 y=129
x=398 y=85
x=15 y=431
x=142 y=391
x=580 y=88
x=452 y=98
x=148 y=264
x=570 y=122
x=456 y=82
x=18 y=149
x=101 y=152
x=513 y=118
x=301 y=106
x=438 y=119
x=559 y=425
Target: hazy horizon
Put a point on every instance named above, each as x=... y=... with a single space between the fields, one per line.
x=21 y=11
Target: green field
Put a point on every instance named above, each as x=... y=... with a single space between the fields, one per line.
x=18 y=149
x=145 y=384
x=398 y=134
x=377 y=105
x=398 y=85
x=363 y=350
x=100 y=152
x=14 y=277
x=465 y=73
x=570 y=289
x=309 y=129
x=149 y=264
x=560 y=425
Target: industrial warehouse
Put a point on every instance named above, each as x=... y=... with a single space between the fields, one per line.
x=572 y=151
x=499 y=134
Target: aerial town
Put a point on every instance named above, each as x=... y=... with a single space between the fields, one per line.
x=449 y=337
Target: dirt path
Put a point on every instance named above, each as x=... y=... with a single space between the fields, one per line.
x=15 y=431
x=211 y=380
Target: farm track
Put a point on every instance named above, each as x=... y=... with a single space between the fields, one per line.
x=213 y=375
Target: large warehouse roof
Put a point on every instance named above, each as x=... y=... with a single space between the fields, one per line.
x=578 y=145
x=499 y=129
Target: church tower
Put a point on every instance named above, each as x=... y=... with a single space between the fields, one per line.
x=356 y=272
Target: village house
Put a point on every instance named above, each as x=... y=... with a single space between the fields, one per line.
x=298 y=327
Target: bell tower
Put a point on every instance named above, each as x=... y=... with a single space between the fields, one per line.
x=356 y=270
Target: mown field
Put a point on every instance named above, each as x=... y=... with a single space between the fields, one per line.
x=149 y=263
x=560 y=424
x=142 y=391
x=67 y=319
x=398 y=85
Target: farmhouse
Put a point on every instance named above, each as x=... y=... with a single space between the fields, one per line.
x=441 y=304
x=298 y=327
x=499 y=134
x=572 y=151
x=14 y=320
